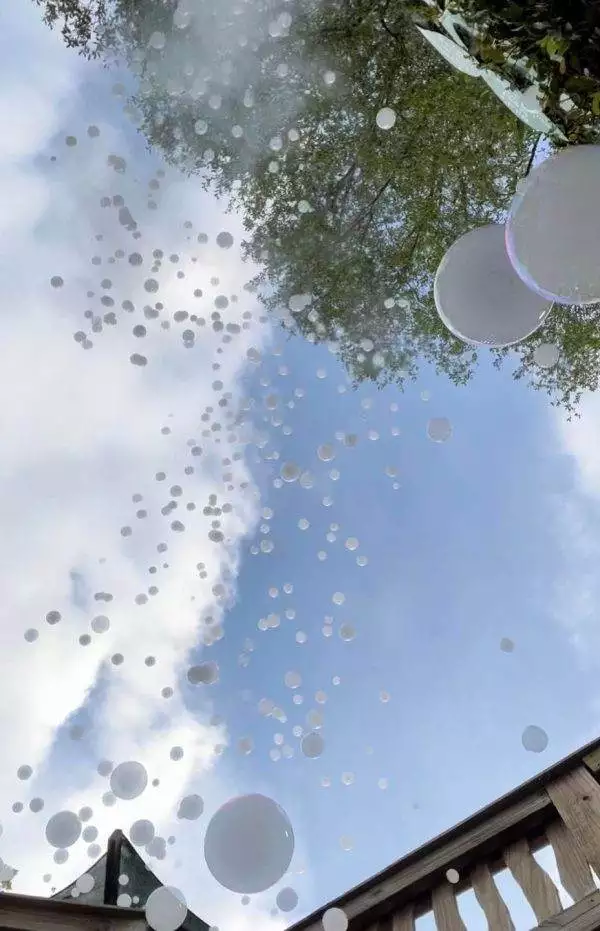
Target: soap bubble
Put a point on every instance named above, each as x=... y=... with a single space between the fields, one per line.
x=326 y=452
x=206 y=673
x=386 y=117
x=141 y=832
x=479 y=296
x=312 y=745
x=157 y=40
x=225 y=240
x=334 y=919
x=553 y=227
x=166 y=909
x=63 y=829
x=439 y=429
x=128 y=780
x=85 y=883
x=453 y=876
x=287 y=899
x=249 y=843
x=289 y=471
x=507 y=645
x=546 y=355
x=190 y=807
x=534 y=739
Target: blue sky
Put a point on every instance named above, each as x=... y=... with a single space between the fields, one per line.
x=490 y=535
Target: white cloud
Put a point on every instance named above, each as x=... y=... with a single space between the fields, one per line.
x=577 y=587
x=81 y=433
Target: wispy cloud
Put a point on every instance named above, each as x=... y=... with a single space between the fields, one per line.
x=83 y=432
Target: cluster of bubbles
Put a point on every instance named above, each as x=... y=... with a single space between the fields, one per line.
x=497 y=284
x=249 y=841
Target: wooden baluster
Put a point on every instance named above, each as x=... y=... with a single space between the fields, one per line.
x=577 y=798
x=404 y=920
x=492 y=903
x=445 y=910
x=538 y=888
x=573 y=868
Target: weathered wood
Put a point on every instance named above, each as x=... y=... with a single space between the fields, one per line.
x=493 y=905
x=445 y=910
x=538 y=888
x=573 y=868
x=404 y=920
x=432 y=866
x=582 y=916
x=592 y=760
x=33 y=913
x=576 y=796
x=526 y=811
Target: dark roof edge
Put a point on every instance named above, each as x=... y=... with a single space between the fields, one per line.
x=113 y=867
x=35 y=902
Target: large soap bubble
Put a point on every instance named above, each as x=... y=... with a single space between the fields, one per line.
x=479 y=296
x=128 y=780
x=249 y=844
x=166 y=909
x=553 y=227
x=63 y=829
x=334 y=919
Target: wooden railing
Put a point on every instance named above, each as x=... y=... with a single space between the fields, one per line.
x=560 y=808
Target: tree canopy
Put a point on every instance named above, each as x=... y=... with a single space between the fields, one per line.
x=274 y=105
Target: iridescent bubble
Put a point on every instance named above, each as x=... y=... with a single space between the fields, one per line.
x=166 y=909
x=453 y=876
x=347 y=632
x=56 y=281
x=63 y=829
x=553 y=227
x=507 y=645
x=289 y=471
x=128 y=780
x=287 y=899
x=24 y=772
x=386 y=117
x=249 y=843
x=312 y=745
x=473 y=310
x=534 y=739
x=326 y=452
x=439 y=429
x=225 y=240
